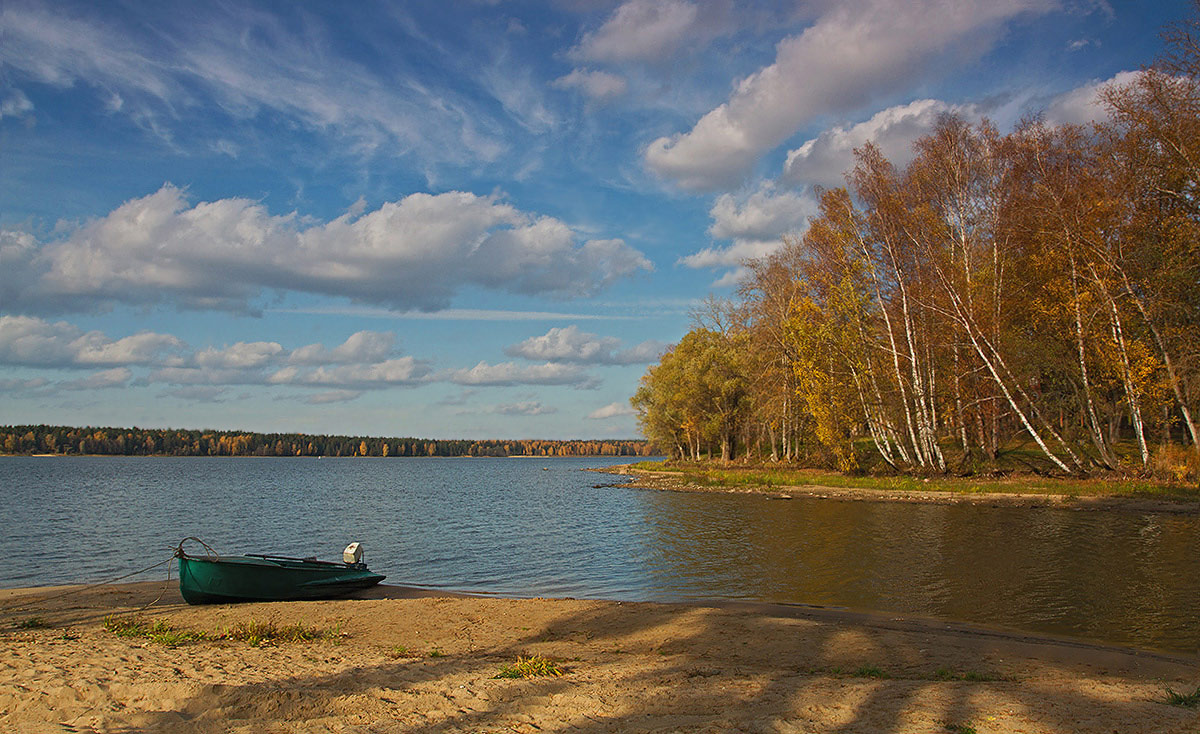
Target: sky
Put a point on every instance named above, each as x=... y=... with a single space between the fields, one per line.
x=454 y=219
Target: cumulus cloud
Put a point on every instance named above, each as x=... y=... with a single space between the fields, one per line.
x=1082 y=104
x=756 y=223
x=241 y=355
x=509 y=373
x=732 y=256
x=403 y=371
x=574 y=346
x=850 y=54
x=26 y=340
x=413 y=253
x=652 y=30
x=825 y=159
x=203 y=376
x=765 y=214
x=364 y=361
x=362 y=346
x=600 y=86
x=612 y=410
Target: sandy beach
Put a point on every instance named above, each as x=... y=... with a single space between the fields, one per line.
x=407 y=660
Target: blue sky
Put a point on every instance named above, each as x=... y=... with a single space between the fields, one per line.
x=455 y=219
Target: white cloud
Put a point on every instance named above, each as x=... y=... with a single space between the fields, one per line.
x=453 y=314
x=197 y=393
x=413 y=253
x=15 y=104
x=849 y=55
x=115 y=377
x=242 y=355
x=827 y=158
x=612 y=410
x=248 y=63
x=641 y=30
x=732 y=256
x=732 y=278
x=509 y=373
x=600 y=86
x=766 y=214
x=520 y=96
x=571 y=345
x=362 y=346
x=15 y=384
x=756 y=224
x=397 y=371
x=204 y=376
x=26 y=340
x=332 y=396
x=524 y=408
x=1082 y=104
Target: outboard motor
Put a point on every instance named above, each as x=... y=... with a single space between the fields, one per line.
x=353 y=555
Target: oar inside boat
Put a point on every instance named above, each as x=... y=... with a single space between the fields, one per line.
x=215 y=579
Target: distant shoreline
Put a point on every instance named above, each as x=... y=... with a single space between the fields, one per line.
x=253 y=456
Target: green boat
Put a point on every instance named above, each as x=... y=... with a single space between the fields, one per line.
x=217 y=579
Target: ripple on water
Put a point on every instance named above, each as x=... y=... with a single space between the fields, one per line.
x=508 y=527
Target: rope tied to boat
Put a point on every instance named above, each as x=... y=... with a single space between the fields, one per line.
x=181 y=553
x=69 y=592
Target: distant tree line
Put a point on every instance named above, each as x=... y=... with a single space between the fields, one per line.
x=180 y=442
x=1039 y=290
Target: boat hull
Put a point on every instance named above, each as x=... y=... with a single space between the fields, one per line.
x=224 y=579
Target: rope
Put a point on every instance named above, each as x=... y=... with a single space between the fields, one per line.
x=161 y=591
x=180 y=553
x=9 y=607
x=177 y=552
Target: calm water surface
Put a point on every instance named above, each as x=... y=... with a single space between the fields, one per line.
x=538 y=527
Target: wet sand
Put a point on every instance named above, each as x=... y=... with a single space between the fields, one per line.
x=411 y=660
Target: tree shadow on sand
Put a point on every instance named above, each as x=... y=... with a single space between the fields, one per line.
x=651 y=668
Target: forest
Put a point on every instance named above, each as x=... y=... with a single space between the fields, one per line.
x=1027 y=299
x=66 y=440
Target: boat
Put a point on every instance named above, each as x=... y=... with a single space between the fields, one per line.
x=211 y=578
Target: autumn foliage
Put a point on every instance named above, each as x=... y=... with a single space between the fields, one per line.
x=1035 y=293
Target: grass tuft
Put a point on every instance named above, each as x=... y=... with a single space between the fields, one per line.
x=253 y=633
x=33 y=623
x=870 y=671
x=257 y=634
x=1186 y=700
x=159 y=632
x=534 y=666
x=970 y=675
x=961 y=729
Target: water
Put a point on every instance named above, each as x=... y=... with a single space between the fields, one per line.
x=538 y=527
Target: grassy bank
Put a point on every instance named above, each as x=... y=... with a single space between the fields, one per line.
x=770 y=478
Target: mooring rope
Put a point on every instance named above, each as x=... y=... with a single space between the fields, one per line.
x=180 y=553
x=69 y=592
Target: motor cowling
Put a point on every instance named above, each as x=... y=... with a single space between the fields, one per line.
x=353 y=554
